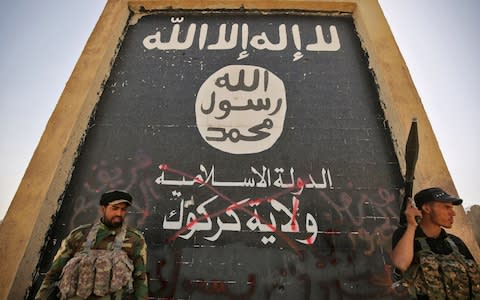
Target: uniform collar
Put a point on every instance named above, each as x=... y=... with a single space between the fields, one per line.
x=103 y=226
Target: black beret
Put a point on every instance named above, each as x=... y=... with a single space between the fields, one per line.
x=116 y=197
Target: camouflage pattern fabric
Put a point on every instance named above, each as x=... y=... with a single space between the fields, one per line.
x=93 y=273
x=443 y=276
x=133 y=247
x=121 y=271
x=103 y=269
x=70 y=276
x=95 y=269
x=86 y=276
x=474 y=273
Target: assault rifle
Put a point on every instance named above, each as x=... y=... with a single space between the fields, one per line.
x=411 y=156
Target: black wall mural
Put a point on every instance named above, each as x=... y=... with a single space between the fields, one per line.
x=257 y=153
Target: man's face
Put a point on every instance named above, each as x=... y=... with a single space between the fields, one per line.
x=114 y=214
x=441 y=213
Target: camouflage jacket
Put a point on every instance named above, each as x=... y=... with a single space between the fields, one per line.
x=442 y=268
x=134 y=245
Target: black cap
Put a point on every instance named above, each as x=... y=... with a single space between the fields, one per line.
x=435 y=194
x=114 y=197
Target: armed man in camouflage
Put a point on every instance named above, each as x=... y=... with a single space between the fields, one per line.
x=434 y=264
x=105 y=260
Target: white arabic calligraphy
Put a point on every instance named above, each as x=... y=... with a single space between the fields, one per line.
x=204 y=223
x=241 y=109
x=263 y=179
x=261 y=41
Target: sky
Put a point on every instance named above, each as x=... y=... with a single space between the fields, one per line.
x=41 y=41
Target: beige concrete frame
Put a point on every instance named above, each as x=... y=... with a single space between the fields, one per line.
x=29 y=216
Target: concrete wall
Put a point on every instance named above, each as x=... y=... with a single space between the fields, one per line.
x=45 y=183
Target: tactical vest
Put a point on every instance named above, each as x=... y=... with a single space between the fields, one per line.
x=441 y=277
x=97 y=272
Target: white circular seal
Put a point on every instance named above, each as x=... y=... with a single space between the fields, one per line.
x=241 y=109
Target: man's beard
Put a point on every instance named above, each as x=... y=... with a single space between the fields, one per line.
x=111 y=224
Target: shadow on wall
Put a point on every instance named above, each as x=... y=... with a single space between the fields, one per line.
x=474 y=215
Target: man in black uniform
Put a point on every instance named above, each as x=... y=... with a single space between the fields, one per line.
x=434 y=264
